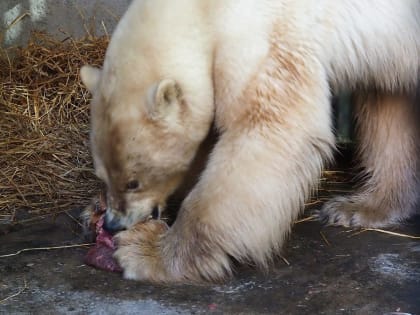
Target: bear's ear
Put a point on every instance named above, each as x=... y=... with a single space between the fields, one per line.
x=90 y=77
x=164 y=99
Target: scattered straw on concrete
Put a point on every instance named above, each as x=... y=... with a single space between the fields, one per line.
x=387 y=232
x=25 y=286
x=311 y=218
x=44 y=155
x=324 y=238
x=285 y=260
x=45 y=248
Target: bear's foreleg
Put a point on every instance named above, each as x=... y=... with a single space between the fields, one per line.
x=273 y=143
x=244 y=205
x=388 y=133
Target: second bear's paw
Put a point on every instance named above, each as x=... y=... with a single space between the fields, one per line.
x=139 y=253
x=353 y=212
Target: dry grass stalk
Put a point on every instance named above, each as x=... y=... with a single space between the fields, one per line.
x=413 y=237
x=45 y=248
x=25 y=287
x=44 y=114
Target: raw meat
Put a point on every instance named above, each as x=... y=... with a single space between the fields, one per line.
x=100 y=255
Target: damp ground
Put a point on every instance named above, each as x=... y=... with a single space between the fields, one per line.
x=323 y=270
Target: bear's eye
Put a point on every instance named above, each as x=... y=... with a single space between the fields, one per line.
x=132 y=185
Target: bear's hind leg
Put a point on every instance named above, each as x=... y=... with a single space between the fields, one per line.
x=388 y=134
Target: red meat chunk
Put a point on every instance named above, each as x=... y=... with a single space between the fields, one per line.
x=100 y=255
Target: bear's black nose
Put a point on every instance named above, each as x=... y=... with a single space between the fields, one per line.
x=112 y=225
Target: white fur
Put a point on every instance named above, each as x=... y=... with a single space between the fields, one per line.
x=233 y=37
x=262 y=71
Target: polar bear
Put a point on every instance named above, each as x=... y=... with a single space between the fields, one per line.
x=262 y=72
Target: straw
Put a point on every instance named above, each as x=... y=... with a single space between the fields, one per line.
x=44 y=124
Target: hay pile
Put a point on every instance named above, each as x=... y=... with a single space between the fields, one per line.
x=45 y=165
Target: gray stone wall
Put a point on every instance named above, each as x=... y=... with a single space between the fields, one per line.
x=61 y=18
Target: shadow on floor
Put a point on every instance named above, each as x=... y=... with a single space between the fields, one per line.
x=325 y=270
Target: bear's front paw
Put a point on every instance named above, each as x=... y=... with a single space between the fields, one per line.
x=353 y=211
x=139 y=253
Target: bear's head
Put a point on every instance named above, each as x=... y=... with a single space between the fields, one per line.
x=144 y=136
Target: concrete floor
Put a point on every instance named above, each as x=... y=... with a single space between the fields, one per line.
x=367 y=273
